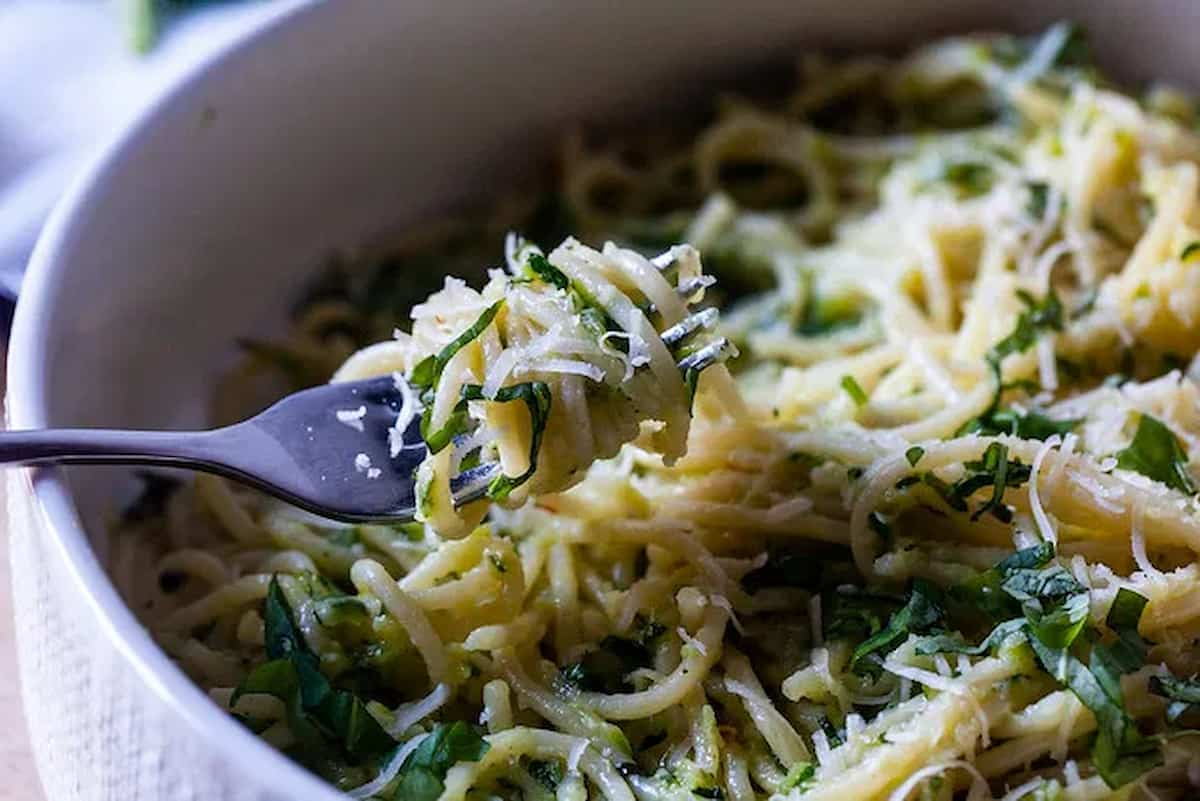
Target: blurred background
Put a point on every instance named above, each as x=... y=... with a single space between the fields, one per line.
x=72 y=71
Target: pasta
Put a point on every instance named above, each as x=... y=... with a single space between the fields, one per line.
x=933 y=533
x=571 y=336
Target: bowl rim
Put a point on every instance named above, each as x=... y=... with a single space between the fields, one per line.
x=54 y=510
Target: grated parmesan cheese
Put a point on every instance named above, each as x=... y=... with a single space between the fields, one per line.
x=352 y=417
x=1044 y=523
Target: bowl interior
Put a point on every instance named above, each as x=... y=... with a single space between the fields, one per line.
x=352 y=118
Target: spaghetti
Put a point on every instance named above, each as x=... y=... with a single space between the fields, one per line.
x=935 y=539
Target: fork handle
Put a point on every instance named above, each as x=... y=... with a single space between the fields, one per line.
x=194 y=449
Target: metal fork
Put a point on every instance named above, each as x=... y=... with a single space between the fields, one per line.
x=301 y=449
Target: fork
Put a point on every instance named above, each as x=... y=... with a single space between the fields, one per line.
x=324 y=449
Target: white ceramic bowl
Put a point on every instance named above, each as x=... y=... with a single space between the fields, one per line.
x=342 y=120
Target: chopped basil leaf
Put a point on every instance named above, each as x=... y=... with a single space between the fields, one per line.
x=1157 y=454
x=798 y=777
x=1024 y=424
x=1071 y=48
x=952 y=499
x=1192 y=249
x=691 y=380
x=969 y=178
x=1119 y=752
x=536 y=396
x=994 y=470
x=1062 y=45
x=422 y=775
x=984 y=592
x=318 y=715
x=832 y=733
x=854 y=390
x=822 y=316
x=548 y=773
x=426 y=374
x=458 y=423
x=953 y=643
x=543 y=269
x=1183 y=694
x=914 y=454
x=1036 y=205
x=857 y=615
x=1053 y=612
x=921 y=613
x=995 y=466
x=1129 y=649
x=606 y=668
x=1054 y=603
x=1037 y=317
x=784 y=569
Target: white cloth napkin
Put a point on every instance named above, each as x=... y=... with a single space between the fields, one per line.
x=68 y=82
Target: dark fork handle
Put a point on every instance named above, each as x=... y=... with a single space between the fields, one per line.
x=246 y=452
x=200 y=450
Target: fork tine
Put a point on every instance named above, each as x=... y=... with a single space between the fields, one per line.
x=693 y=285
x=689 y=325
x=664 y=261
x=471 y=484
x=716 y=351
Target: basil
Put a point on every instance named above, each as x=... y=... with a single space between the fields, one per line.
x=1037 y=317
x=536 y=397
x=799 y=777
x=1055 y=605
x=1119 y=751
x=784 y=569
x=606 y=668
x=984 y=592
x=421 y=777
x=1183 y=694
x=855 y=391
x=320 y=717
x=548 y=773
x=540 y=266
x=427 y=372
x=1157 y=454
x=922 y=612
x=969 y=178
x=1035 y=206
x=820 y=317
x=953 y=642
x=458 y=423
x=1029 y=424
x=993 y=470
x=857 y=615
